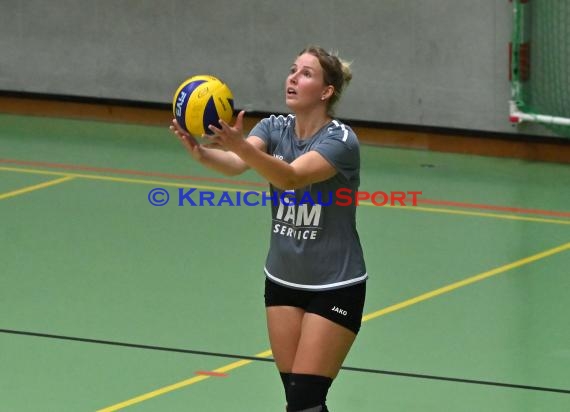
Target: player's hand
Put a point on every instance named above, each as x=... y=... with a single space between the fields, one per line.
x=226 y=136
x=189 y=141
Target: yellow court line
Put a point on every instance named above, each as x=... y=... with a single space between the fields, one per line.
x=366 y=318
x=182 y=384
x=121 y=179
x=468 y=281
x=39 y=186
x=228 y=189
x=478 y=214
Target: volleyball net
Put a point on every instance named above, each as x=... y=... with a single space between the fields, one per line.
x=540 y=64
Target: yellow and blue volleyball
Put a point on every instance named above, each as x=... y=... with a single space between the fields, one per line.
x=201 y=101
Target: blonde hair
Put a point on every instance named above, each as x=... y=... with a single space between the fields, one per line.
x=336 y=72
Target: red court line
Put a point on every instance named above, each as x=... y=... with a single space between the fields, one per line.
x=494 y=208
x=129 y=172
x=462 y=205
x=214 y=374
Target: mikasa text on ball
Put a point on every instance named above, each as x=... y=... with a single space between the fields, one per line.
x=201 y=101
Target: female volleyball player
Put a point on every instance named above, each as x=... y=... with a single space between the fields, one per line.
x=315 y=270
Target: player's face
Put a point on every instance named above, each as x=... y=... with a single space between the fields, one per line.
x=305 y=85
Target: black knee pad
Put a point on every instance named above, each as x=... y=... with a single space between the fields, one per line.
x=285 y=378
x=307 y=391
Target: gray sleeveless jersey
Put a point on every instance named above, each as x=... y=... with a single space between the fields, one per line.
x=314 y=243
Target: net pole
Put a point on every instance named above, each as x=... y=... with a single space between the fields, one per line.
x=517 y=116
x=520 y=69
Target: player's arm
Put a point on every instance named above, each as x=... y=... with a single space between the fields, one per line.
x=227 y=163
x=309 y=168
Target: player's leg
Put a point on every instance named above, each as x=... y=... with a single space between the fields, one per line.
x=328 y=331
x=284 y=321
x=284 y=326
x=321 y=350
x=322 y=347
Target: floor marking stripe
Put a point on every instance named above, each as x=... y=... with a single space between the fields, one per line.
x=122 y=179
x=366 y=318
x=128 y=172
x=228 y=189
x=155 y=393
x=468 y=281
x=476 y=214
x=182 y=384
x=449 y=203
x=213 y=374
x=347 y=368
x=495 y=208
x=39 y=186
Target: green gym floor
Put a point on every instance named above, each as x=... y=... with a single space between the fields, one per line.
x=108 y=303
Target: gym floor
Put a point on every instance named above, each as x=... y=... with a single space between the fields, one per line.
x=109 y=303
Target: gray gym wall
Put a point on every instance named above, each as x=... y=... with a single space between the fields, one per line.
x=440 y=63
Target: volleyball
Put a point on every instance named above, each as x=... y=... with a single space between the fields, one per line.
x=201 y=101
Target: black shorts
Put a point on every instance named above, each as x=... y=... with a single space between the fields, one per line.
x=343 y=306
